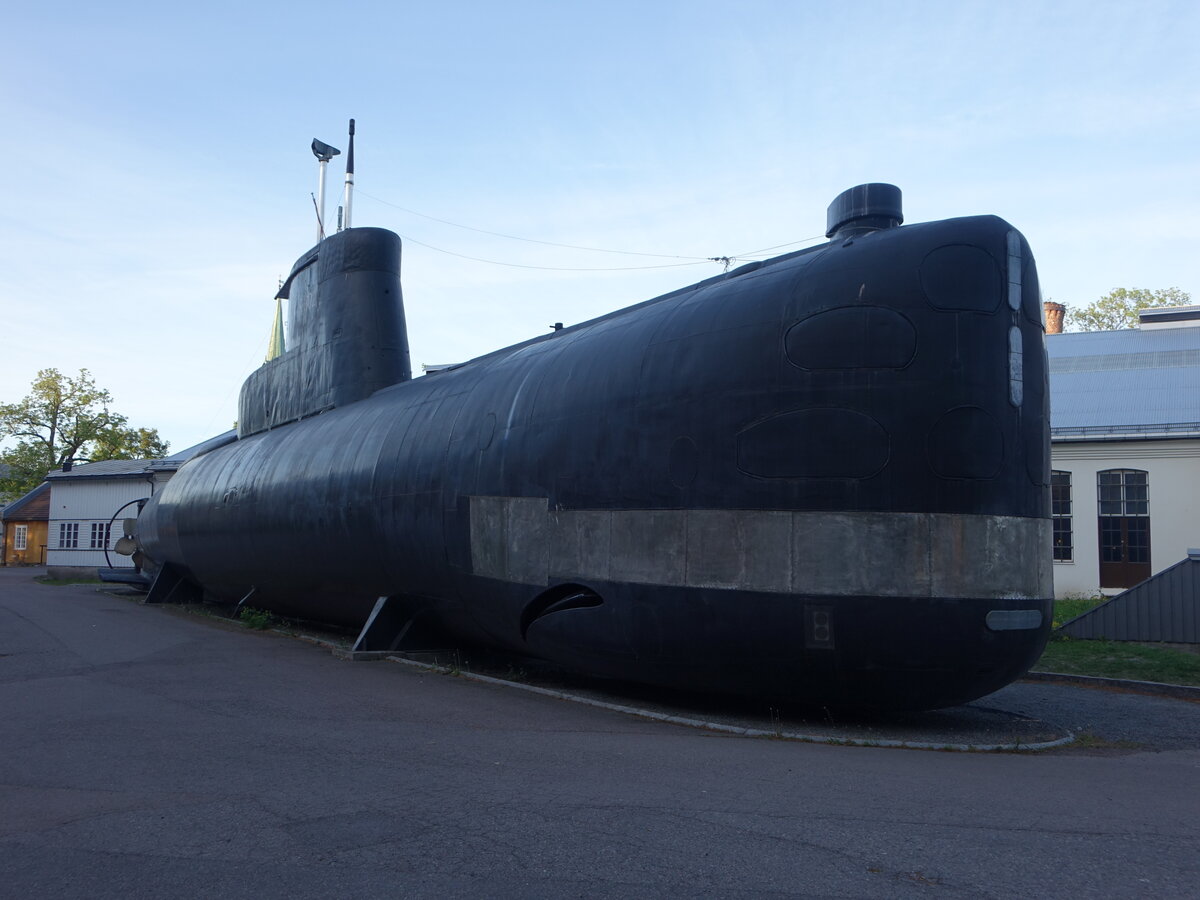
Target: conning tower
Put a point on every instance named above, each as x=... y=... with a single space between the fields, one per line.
x=347 y=336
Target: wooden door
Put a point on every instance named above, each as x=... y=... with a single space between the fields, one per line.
x=1124 y=527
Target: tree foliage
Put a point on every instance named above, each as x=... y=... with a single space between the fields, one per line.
x=64 y=417
x=1119 y=308
x=129 y=443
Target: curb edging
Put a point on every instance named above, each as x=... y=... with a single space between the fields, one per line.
x=736 y=729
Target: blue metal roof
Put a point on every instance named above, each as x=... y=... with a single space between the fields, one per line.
x=1137 y=382
x=175 y=460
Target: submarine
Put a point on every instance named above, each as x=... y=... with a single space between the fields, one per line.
x=821 y=476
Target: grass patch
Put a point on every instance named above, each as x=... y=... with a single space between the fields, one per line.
x=58 y=582
x=1068 y=608
x=258 y=619
x=1112 y=659
x=1121 y=659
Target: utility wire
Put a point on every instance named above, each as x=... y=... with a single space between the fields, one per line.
x=750 y=253
x=725 y=261
x=496 y=262
x=514 y=237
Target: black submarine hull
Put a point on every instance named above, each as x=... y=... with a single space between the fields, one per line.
x=822 y=476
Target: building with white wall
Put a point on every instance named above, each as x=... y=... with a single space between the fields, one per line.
x=84 y=500
x=1125 y=451
x=89 y=501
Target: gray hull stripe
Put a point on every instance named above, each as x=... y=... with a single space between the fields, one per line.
x=521 y=540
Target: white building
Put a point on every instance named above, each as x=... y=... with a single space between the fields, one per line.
x=1125 y=450
x=84 y=500
x=88 y=502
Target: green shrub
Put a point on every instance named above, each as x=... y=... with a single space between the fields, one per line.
x=255 y=618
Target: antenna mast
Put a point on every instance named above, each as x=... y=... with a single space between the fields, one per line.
x=349 y=178
x=324 y=153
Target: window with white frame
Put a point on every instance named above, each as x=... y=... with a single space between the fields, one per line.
x=1060 y=510
x=68 y=535
x=20 y=537
x=100 y=534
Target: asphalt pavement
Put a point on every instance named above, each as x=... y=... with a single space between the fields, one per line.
x=148 y=753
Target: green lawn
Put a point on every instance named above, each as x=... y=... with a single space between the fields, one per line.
x=1113 y=659
x=1069 y=607
x=1121 y=659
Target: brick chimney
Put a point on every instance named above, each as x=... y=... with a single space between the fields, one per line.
x=1054 y=316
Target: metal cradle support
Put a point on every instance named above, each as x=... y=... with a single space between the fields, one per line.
x=395 y=623
x=170 y=584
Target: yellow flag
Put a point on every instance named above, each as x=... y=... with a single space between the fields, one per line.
x=276 y=346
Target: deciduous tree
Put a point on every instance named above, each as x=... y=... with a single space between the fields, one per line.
x=61 y=418
x=120 y=442
x=1119 y=308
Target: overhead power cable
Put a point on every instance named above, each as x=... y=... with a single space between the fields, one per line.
x=513 y=237
x=725 y=261
x=750 y=253
x=497 y=262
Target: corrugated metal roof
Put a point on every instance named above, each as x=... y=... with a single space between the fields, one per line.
x=1163 y=608
x=227 y=437
x=105 y=468
x=1134 y=381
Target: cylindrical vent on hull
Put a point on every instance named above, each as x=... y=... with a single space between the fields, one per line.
x=865 y=207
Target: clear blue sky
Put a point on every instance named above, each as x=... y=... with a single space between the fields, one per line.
x=160 y=176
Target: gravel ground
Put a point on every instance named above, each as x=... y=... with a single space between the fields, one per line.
x=1106 y=717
